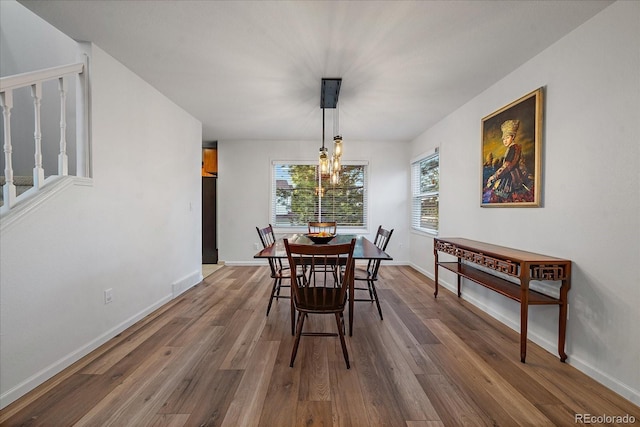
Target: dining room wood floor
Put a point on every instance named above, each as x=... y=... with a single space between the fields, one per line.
x=211 y=357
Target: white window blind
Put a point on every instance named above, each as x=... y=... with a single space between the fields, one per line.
x=425 y=187
x=297 y=197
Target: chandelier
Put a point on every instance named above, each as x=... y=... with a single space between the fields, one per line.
x=330 y=166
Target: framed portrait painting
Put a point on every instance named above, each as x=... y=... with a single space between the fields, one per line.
x=511 y=154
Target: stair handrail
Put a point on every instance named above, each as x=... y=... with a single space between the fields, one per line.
x=27 y=79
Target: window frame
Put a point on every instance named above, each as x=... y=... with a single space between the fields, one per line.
x=364 y=229
x=417 y=195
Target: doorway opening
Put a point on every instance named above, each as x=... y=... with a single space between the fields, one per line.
x=209 y=202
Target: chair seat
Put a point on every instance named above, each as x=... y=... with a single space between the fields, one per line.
x=320 y=299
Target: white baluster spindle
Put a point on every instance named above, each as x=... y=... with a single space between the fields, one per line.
x=63 y=159
x=38 y=171
x=9 y=188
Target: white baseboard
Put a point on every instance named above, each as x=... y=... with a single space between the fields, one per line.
x=187 y=282
x=181 y=285
x=574 y=360
x=246 y=263
x=66 y=361
x=611 y=383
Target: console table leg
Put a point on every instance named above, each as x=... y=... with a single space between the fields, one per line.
x=524 y=316
x=435 y=292
x=562 y=321
x=459 y=278
x=562 y=332
x=523 y=345
x=523 y=335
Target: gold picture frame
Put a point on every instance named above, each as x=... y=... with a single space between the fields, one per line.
x=511 y=154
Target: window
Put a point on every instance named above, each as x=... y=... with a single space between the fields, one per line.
x=296 y=197
x=425 y=185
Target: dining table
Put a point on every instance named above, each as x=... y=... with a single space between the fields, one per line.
x=364 y=250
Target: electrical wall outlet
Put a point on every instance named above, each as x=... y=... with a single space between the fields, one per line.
x=256 y=246
x=108 y=296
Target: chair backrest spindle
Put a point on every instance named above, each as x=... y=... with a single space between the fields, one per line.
x=268 y=238
x=381 y=241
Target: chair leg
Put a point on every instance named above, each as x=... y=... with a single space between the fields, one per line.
x=273 y=291
x=351 y=306
x=370 y=285
x=293 y=318
x=297 y=340
x=340 y=324
x=375 y=297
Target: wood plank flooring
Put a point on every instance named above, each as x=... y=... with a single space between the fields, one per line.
x=212 y=358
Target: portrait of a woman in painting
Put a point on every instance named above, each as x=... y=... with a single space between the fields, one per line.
x=511 y=154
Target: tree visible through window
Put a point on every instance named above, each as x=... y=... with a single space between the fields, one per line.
x=425 y=188
x=297 y=198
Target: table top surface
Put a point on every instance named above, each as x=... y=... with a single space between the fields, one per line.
x=364 y=248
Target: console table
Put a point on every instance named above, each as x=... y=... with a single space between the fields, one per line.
x=525 y=266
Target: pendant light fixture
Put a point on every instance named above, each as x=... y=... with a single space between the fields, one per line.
x=329 y=93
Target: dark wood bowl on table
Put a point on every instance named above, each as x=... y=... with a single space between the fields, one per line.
x=319 y=238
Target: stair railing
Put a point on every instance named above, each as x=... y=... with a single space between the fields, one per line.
x=35 y=80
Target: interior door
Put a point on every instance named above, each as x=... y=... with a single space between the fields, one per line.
x=209 y=237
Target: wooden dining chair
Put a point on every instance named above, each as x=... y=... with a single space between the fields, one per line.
x=326 y=226
x=370 y=274
x=324 y=293
x=279 y=272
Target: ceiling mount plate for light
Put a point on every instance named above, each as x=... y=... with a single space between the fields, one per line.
x=329 y=92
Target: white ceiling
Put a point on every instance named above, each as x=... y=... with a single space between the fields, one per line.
x=252 y=69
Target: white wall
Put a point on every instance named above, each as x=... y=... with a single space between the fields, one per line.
x=244 y=190
x=136 y=230
x=591 y=193
x=28 y=43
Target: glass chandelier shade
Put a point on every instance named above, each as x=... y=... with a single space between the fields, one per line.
x=324 y=161
x=335 y=177
x=336 y=156
x=337 y=145
x=335 y=163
